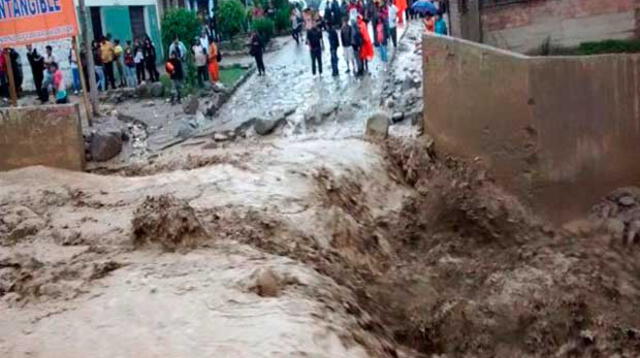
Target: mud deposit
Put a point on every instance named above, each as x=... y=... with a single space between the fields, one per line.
x=387 y=251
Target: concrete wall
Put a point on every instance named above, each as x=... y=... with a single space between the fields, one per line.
x=42 y=135
x=559 y=132
x=525 y=26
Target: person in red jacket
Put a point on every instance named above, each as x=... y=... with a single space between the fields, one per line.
x=366 y=49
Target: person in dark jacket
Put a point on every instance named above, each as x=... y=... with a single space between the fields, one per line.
x=16 y=66
x=176 y=73
x=356 y=45
x=256 y=48
x=316 y=45
x=149 y=51
x=345 y=38
x=336 y=14
x=36 y=61
x=334 y=43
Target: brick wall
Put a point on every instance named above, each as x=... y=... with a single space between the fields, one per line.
x=525 y=25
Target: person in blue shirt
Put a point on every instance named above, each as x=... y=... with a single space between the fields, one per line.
x=441 y=26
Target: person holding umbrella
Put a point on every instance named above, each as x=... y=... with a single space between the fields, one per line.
x=424 y=7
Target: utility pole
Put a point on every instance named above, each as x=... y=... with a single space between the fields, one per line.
x=84 y=32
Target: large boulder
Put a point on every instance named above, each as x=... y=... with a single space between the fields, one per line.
x=191 y=104
x=378 y=126
x=143 y=91
x=156 y=89
x=266 y=126
x=104 y=146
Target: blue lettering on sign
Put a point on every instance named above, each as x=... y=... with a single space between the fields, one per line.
x=33 y=7
x=16 y=9
x=24 y=7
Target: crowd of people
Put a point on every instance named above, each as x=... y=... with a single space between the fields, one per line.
x=116 y=65
x=361 y=28
x=206 y=57
x=347 y=25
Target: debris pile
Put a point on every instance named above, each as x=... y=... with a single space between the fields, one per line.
x=167 y=221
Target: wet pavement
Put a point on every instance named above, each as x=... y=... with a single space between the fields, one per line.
x=290 y=91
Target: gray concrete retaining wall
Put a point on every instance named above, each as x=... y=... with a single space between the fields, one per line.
x=42 y=135
x=560 y=132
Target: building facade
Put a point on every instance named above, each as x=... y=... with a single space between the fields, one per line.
x=527 y=25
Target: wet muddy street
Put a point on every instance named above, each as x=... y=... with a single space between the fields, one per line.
x=308 y=240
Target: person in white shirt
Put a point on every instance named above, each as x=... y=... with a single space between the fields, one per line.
x=138 y=59
x=393 y=19
x=200 y=56
x=49 y=57
x=204 y=40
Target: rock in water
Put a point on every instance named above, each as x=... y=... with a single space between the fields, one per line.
x=156 y=89
x=267 y=284
x=104 y=146
x=397 y=117
x=265 y=126
x=378 y=126
x=191 y=105
x=169 y=221
x=626 y=201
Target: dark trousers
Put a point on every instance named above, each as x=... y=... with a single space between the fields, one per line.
x=394 y=35
x=109 y=76
x=316 y=58
x=259 y=63
x=140 y=72
x=334 y=61
x=38 y=76
x=154 y=76
x=296 y=35
x=360 y=70
x=203 y=75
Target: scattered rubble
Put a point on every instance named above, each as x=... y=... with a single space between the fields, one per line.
x=191 y=104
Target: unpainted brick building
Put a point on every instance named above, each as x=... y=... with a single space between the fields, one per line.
x=528 y=25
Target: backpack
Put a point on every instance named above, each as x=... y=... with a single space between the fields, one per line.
x=219 y=56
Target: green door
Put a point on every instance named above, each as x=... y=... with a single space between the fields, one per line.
x=116 y=19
